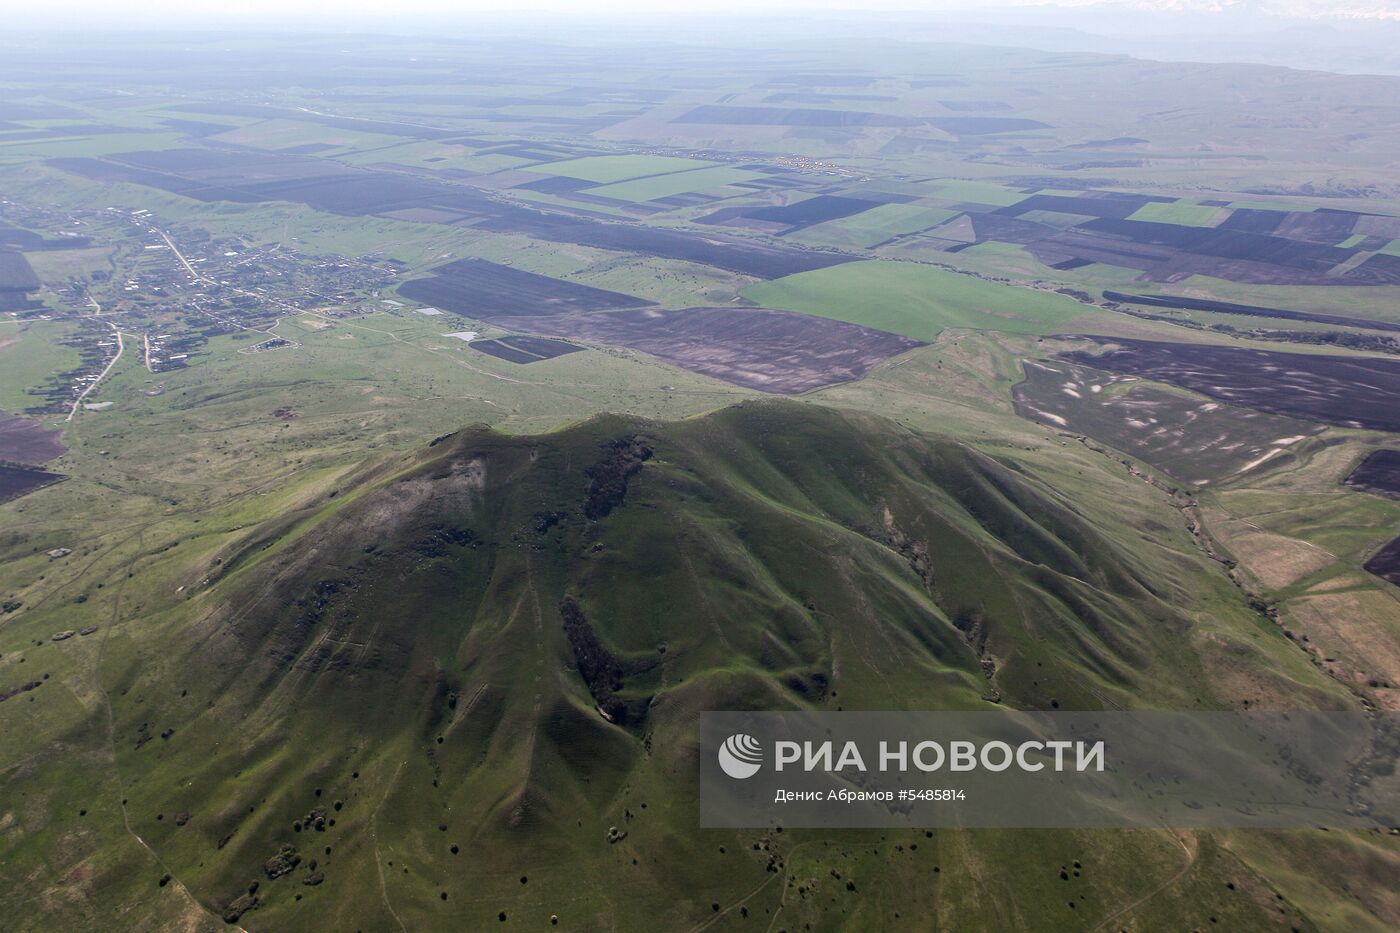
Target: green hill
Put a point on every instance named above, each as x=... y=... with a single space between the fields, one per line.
x=464 y=687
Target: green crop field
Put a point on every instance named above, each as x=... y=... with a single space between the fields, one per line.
x=916 y=300
x=30 y=352
x=286 y=134
x=875 y=226
x=615 y=168
x=681 y=181
x=975 y=191
x=1181 y=212
x=17 y=150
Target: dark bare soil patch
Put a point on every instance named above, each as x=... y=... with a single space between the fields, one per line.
x=1251 y=246
x=1379 y=473
x=734 y=255
x=986 y=126
x=774 y=351
x=1199 y=442
x=1381 y=269
x=1225 y=244
x=816 y=210
x=505 y=352
x=13 y=238
x=488 y=291
x=16 y=274
x=1318 y=226
x=113 y=173
x=976 y=106
x=1356 y=392
x=17 y=481
x=247 y=177
x=372 y=193
x=533 y=349
x=17 y=280
x=1114 y=142
x=1386 y=563
x=557 y=184
x=822 y=79
x=1118 y=206
x=815 y=117
x=1227 y=307
x=64 y=132
x=778 y=116
x=232 y=167
x=40 y=110
x=18 y=302
x=1253 y=220
x=197 y=128
x=814 y=97
x=306 y=148
x=525 y=350
x=26 y=441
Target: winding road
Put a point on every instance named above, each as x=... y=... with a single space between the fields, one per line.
x=121 y=345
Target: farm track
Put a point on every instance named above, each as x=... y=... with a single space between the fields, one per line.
x=112 y=622
x=1191 y=854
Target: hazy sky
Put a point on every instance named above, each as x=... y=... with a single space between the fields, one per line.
x=1378 y=9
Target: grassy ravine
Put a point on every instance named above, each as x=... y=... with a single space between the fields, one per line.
x=391 y=641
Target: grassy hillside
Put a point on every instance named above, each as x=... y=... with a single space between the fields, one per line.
x=464 y=683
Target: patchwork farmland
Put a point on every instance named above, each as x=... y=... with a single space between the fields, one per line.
x=389 y=378
x=758 y=348
x=247 y=177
